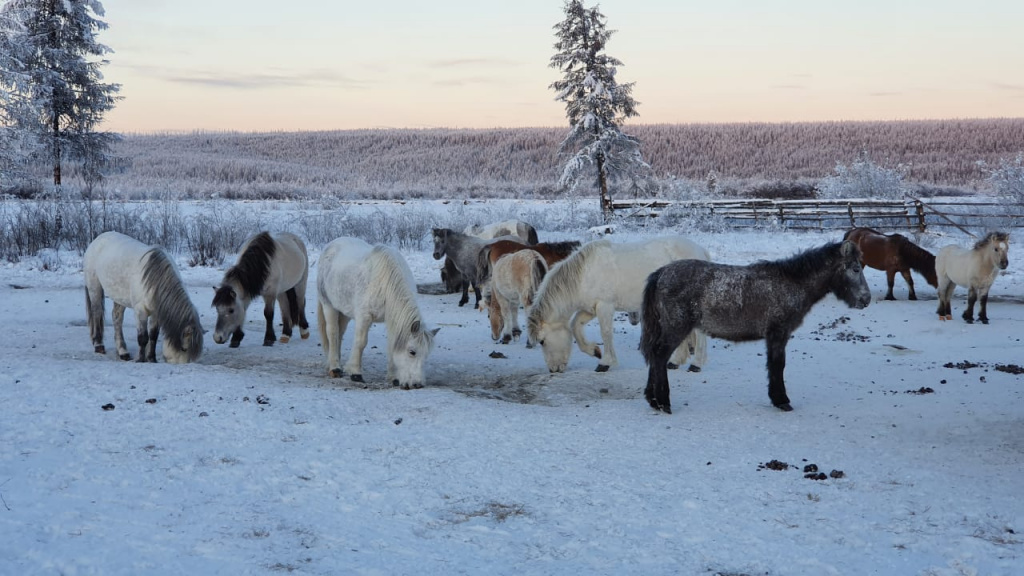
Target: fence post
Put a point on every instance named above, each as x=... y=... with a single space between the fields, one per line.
x=849 y=210
x=920 y=215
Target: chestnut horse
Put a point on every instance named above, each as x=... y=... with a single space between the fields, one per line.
x=894 y=253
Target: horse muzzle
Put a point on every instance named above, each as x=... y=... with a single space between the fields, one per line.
x=219 y=338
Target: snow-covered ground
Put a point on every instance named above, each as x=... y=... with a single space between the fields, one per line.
x=252 y=461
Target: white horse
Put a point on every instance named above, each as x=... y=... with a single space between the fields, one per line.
x=976 y=268
x=518 y=228
x=275 y=267
x=371 y=284
x=597 y=280
x=144 y=279
x=515 y=278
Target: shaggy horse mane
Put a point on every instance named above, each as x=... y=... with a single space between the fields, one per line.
x=389 y=284
x=807 y=262
x=251 y=271
x=174 y=309
x=562 y=282
x=992 y=237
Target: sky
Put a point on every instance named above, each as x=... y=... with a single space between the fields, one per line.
x=260 y=65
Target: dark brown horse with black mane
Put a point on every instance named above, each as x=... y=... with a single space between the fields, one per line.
x=894 y=253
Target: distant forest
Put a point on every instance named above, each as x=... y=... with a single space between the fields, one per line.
x=953 y=155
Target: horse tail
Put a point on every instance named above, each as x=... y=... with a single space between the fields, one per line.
x=650 y=317
x=531 y=234
x=293 y=304
x=321 y=324
x=538 y=271
x=95 y=312
x=483 y=265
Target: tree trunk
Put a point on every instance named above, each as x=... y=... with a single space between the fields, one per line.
x=607 y=211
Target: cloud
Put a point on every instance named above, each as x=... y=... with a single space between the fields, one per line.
x=789 y=87
x=470 y=62
x=469 y=80
x=1008 y=87
x=884 y=94
x=274 y=78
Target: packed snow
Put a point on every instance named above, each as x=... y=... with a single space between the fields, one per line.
x=252 y=461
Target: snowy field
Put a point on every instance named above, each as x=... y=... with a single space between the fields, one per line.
x=253 y=462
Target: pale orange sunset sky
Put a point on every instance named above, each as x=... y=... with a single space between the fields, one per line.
x=258 y=65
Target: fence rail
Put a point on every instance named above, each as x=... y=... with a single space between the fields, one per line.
x=913 y=214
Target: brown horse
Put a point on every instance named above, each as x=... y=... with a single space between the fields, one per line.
x=894 y=253
x=551 y=252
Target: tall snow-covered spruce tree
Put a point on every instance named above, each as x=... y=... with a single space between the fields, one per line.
x=53 y=92
x=595 y=104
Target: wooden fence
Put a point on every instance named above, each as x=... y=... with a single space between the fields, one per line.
x=912 y=214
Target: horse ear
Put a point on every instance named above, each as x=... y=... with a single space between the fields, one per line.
x=435 y=331
x=415 y=327
x=847 y=249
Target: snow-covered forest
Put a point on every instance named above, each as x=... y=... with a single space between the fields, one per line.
x=746 y=159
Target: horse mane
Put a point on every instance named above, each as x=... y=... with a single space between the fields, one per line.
x=805 y=263
x=919 y=259
x=561 y=283
x=851 y=231
x=389 y=283
x=991 y=237
x=252 y=269
x=531 y=233
x=174 y=309
x=562 y=249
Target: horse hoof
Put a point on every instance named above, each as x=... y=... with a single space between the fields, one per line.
x=100 y=349
x=395 y=383
x=234 y=344
x=506 y=339
x=667 y=409
x=693 y=368
x=890 y=297
x=125 y=356
x=949 y=316
x=983 y=320
x=268 y=342
x=602 y=368
x=672 y=366
x=334 y=373
x=357 y=378
x=912 y=297
x=304 y=334
x=969 y=320
x=417 y=385
x=284 y=339
x=463 y=303
x=784 y=407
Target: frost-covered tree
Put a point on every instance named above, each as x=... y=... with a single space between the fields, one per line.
x=595 y=104
x=53 y=94
x=1008 y=178
x=862 y=178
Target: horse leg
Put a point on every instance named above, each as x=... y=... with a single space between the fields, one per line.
x=117 y=315
x=972 y=297
x=142 y=329
x=776 y=344
x=236 y=337
x=333 y=324
x=508 y=317
x=945 y=291
x=286 y=315
x=268 y=312
x=605 y=317
x=890 y=278
x=576 y=326
x=910 y=284
x=465 y=294
x=476 y=292
x=983 y=313
x=657 y=390
x=154 y=337
x=682 y=353
x=354 y=366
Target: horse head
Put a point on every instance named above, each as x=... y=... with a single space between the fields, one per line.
x=230 y=314
x=849 y=284
x=408 y=354
x=440 y=236
x=555 y=341
x=1001 y=247
x=186 y=349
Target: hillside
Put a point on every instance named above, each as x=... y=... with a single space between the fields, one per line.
x=524 y=162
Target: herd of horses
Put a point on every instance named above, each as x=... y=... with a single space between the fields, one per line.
x=668 y=284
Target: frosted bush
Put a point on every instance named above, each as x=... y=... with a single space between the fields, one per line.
x=1008 y=179
x=864 y=179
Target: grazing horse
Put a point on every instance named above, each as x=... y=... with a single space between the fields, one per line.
x=463 y=250
x=451 y=278
x=514 y=281
x=371 y=284
x=763 y=301
x=144 y=279
x=518 y=228
x=893 y=253
x=597 y=280
x=275 y=267
x=552 y=252
x=976 y=268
